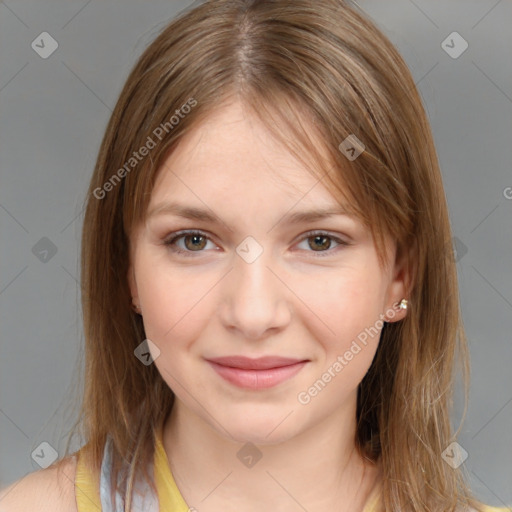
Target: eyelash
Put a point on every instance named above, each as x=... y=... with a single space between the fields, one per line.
x=170 y=242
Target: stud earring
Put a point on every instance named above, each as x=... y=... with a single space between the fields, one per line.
x=136 y=308
x=403 y=304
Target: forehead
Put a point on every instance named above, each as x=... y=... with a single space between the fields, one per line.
x=231 y=156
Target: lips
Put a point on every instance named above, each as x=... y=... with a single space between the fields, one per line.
x=255 y=374
x=261 y=363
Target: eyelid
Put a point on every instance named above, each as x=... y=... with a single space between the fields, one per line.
x=329 y=252
x=171 y=239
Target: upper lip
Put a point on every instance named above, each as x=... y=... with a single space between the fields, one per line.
x=261 y=363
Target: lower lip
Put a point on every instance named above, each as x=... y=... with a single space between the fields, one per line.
x=257 y=379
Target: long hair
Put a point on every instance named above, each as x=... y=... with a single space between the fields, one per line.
x=304 y=68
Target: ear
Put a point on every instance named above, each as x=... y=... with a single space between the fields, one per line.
x=132 y=284
x=403 y=275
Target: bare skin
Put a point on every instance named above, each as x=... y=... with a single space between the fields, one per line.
x=294 y=300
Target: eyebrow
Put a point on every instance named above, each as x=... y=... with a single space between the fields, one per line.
x=190 y=212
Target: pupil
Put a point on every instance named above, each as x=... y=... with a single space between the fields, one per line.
x=195 y=239
x=319 y=238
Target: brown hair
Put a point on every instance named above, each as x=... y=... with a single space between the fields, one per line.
x=297 y=64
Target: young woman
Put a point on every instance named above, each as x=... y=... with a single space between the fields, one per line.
x=270 y=299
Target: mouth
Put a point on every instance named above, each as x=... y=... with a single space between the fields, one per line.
x=261 y=373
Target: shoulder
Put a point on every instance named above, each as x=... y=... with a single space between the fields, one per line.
x=488 y=508
x=46 y=490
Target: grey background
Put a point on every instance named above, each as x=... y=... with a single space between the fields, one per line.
x=54 y=112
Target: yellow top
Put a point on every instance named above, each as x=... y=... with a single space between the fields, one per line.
x=169 y=497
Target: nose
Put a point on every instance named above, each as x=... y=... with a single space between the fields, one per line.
x=256 y=300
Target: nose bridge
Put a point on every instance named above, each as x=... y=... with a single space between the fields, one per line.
x=253 y=277
x=256 y=297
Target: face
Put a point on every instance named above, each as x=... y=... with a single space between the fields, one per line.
x=256 y=282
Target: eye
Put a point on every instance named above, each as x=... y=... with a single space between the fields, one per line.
x=196 y=241
x=321 y=242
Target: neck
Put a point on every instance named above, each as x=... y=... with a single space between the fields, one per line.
x=318 y=469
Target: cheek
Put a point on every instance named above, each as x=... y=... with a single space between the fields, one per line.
x=346 y=327
x=342 y=305
x=173 y=302
x=174 y=316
